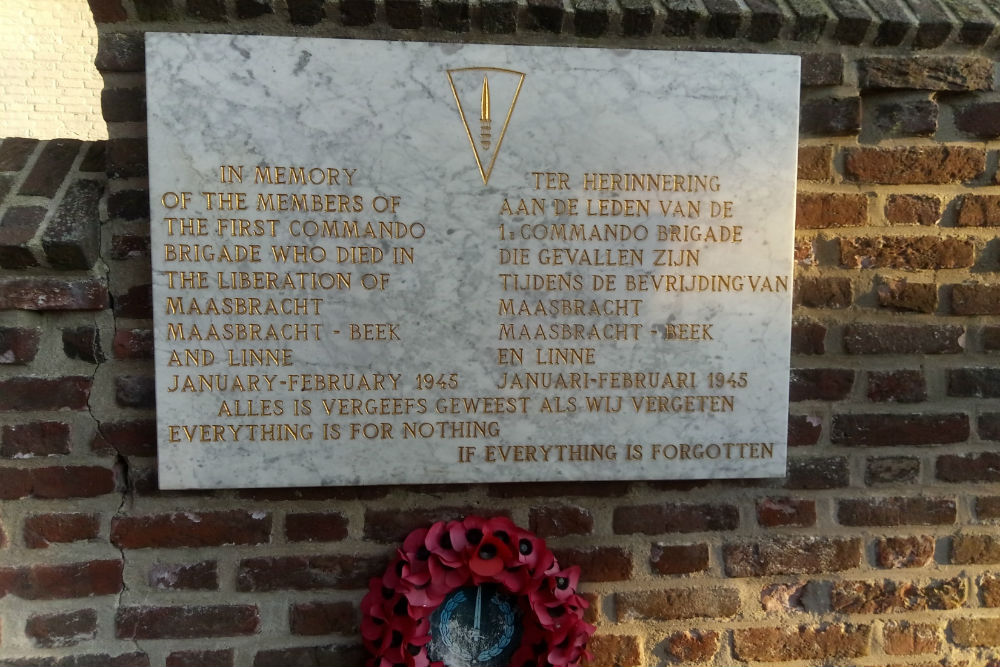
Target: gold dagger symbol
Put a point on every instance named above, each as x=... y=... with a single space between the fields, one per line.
x=484 y=116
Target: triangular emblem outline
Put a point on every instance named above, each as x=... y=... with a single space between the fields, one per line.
x=485 y=172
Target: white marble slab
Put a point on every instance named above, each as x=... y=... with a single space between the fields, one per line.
x=689 y=158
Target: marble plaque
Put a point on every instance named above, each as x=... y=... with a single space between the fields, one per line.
x=384 y=262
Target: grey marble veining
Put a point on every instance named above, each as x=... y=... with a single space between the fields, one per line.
x=319 y=134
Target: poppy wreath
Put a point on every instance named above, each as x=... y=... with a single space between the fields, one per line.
x=435 y=561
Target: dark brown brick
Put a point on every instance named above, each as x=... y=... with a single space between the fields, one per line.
x=128 y=438
x=674 y=518
x=975 y=299
x=135 y=391
x=201 y=576
x=15 y=151
x=982 y=382
x=41 y=530
x=133 y=344
x=206 y=10
x=127 y=158
x=823 y=210
x=988 y=507
x=940 y=73
x=186 y=622
x=600 y=563
x=315 y=527
x=251 y=9
x=935 y=24
x=614 y=651
x=820 y=384
x=808 y=337
x=814 y=473
x=206 y=658
x=989 y=590
x=590 y=17
x=853 y=21
x=983 y=467
x=62 y=582
x=810 y=19
x=791 y=555
x=766 y=20
x=911 y=551
x=826 y=642
x=891 y=470
x=155 y=10
x=130 y=246
x=830 y=116
x=129 y=205
x=51 y=167
x=499 y=17
x=896 y=511
x=18 y=345
x=904 y=339
x=803 y=430
x=559 y=490
x=306 y=12
x=46 y=438
x=136 y=302
x=914 y=165
x=123 y=105
x=316 y=493
x=22 y=394
x=674 y=559
x=975 y=549
x=978 y=211
x=981 y=120
x=815 y=163
x=725 y=17
x=323 y=618
x=17 y=228
x=6 y=183
x=637 y=18
x=907 y=252
x=93 y=158
x=786 y=511
x=44 y=294
x=906 y=638
x=677 y=603
x=61 y=629
x=902 y=295
x=902 y=386
x=880 y=597
x=83 y=343
x=989 y=426
x=991 y=338
x=452 y=15
x=307 y=656
x=545 y=15
x=303 y=573
x=914 y=118
x=394 y=525
x=191 y=529
x=823 y=292
x=692 y=646
x=404 y=14
x=913 y=209
x=561 y=520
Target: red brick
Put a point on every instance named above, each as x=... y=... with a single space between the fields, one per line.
x=51 y=167
x=599 y=563
x=791 y=555
x=830 y=116
x=907 y=252
x=136 y=302
x=315 y=527
x=129 y=205
x=826 y=642
x=691 y=646
x=905 y=638
x=206 y=658
x=823 y=292
x=15 y=151
x=15 y=483
x=127 y=157
x=191 y=529
x=133 y=344
x=891 y=470
x=786 y=512
x=804 y=253
x=186 y=622
x=982 y=382
x=672 y=604
x=678 y=558
x=61 y=582
x=983 y=467
x=130 y=246
x=128 y=438
x=896 y=511
x=820 y=384
x=35 y=439
x=815 y=163
x=816 y=473
x=71 y=481
x=904 y=339
x=17 y=228
x=22 y=394
x=902 y=295
x=64 y=629
x=981 y=120
x=913 y=210
x=308 y=656
x=978 y=211
x=808 y=337
x=323 y=618
x=201 y=576
x=897 y=552
x=902 y=386
x=303 y=573
x=316 y=493
x=614 y=651
x=824 y=210
x=395 y=525
x=53 y=294
x=560 y=521
x=973 y=632
x=989 y=590
x=803 y=430
x=925 y=72
x=675 y=518
x=936 y=164
x=878 y=430
x=135 y=391
x=975 y=299
x=41 y=530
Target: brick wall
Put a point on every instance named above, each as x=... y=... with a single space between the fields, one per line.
x=880 y=548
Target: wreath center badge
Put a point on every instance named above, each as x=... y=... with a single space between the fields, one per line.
x=475 y=593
